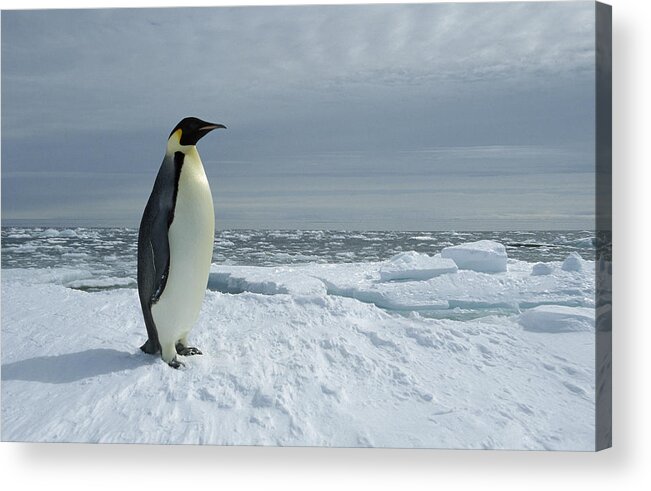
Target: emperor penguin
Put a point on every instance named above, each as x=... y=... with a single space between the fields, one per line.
x=175 y=244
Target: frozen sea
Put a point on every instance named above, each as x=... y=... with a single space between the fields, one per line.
x=330 y=338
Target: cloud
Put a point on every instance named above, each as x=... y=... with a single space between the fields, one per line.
x=123 y=68
x=332 y=91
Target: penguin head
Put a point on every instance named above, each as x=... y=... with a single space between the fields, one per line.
x=190 y=130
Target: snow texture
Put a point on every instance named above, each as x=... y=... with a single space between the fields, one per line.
x=407 y=352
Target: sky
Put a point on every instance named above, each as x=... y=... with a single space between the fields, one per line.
x=374 y=117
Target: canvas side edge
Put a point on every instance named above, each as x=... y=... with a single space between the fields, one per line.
x=603 y=222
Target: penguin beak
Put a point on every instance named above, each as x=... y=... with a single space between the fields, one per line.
x=211 y=126
x=205 y=129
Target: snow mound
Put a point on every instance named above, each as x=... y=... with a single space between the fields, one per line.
x=541 y=269
x=484 y=256
x=573 y=262
x=558 y=318
x=416 y=266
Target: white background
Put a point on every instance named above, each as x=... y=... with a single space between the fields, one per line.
x=625 y=466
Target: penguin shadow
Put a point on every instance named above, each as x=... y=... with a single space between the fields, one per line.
x=72 y=367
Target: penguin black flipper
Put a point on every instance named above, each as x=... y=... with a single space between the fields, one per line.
x=153 y=244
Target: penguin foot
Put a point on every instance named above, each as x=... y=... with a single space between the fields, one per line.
x=149 y=348
x=176 y=363
x=187 y=350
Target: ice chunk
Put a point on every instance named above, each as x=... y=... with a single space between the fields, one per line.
x=573 y=262
x=516 y=289
x=391 y=296
x=484 y=256
x=415 y=266
x=264 y=280
x=584 y=242
x=541 y=269
x=51 y=233
x=558 y=318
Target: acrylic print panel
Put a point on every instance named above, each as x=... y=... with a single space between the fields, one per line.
x=412 y=225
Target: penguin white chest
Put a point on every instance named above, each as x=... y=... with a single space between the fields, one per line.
x=190 y=236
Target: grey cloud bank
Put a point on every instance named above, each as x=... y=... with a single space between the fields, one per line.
x=441 y=116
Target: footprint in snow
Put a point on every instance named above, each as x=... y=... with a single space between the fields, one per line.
x=570 y=370
x=377 y=340
x=525 y=409
x=335 y=392
x=574 y=388
x=261 y=400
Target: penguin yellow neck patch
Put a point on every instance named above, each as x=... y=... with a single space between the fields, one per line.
x=174 y=142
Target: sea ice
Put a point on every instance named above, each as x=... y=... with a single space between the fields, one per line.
x=312 y=354
x=558 y=318
x=264 y=280
x=101 y=283
x=415 y=266
x=573 y=262
x=541 y=269
x=53 y=233
x=585 y=242
x=485 y=256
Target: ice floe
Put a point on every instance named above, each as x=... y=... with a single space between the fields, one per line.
x=485 y=256
x=415 y=266
x=558 y=318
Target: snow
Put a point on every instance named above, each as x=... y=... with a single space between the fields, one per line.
x=407 y=352
x=485 y=256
